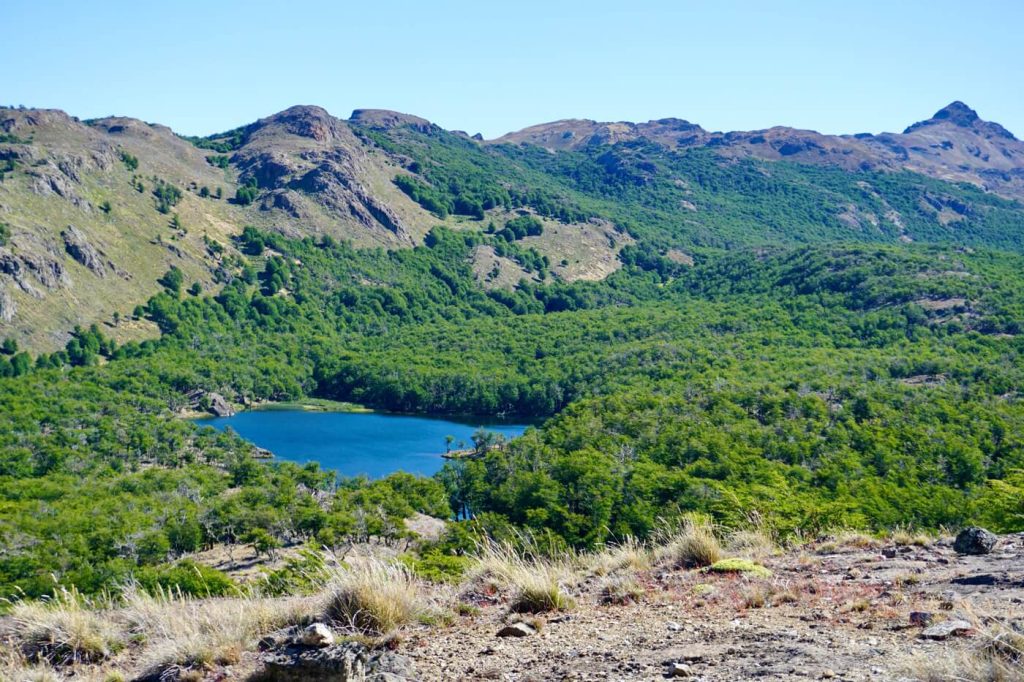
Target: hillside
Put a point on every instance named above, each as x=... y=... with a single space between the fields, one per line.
x=96 y=212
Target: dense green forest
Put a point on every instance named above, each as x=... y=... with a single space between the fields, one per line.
x=808 y=369
x=814 y=386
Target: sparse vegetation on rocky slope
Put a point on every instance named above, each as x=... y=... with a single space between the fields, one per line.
x=845 y=616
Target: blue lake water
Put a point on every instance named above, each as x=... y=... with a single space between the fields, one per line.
x=353 y=443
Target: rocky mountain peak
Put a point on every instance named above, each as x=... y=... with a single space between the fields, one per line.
x=386 y=119
x=305 y=121
x=962 y=116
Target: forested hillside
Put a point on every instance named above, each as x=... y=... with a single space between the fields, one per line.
x=816 y=387
x=811 y=344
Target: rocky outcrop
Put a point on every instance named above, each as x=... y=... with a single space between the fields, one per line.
x=346 y=662
x=46 y=181
x=962 y=116
x=79 y=248
x=219 y=406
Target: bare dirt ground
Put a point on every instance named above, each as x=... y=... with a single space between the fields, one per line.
x=843 y=615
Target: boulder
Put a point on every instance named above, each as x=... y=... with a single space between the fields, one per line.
x=947 y=628
x=975 y=540
x=517 y=630
x=317 y=635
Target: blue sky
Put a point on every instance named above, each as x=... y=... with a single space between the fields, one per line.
x=203 y=67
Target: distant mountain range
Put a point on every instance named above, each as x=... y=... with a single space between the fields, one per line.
x=954 y=145
x=93 y=213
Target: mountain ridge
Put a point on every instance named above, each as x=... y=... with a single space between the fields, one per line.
x=96 y=211
x=955 y=144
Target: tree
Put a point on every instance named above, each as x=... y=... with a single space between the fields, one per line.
x=130 y=162
x=21 y=364
x=247 y=193
x=195 y=289
x=448 y=440
x=172 y=280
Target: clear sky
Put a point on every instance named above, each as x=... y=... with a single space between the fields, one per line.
x=491 y=67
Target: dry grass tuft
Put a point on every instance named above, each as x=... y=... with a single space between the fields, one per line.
x=997 y=657
x=621 y=590
x=904 y=535
x=693 y=544
x=374 y=597
x=538 y=584
x=65 y=629
x=181 y=633
x=856 y=539
x=629 y=555
x=752 y=543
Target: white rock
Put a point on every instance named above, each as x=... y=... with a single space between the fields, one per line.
x=318 y=635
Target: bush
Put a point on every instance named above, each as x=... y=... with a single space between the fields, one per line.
x=246 y=194
x=167 y=196
x=186 y=577
x=130 y=162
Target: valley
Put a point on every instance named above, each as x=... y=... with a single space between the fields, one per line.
x=777 y=334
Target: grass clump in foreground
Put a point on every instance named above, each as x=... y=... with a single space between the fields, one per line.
x=65 y=629
x=538 y=584
x=629 y=555
x=183 y=633
x=693 y=544
x=374 y=597
x=744 y=566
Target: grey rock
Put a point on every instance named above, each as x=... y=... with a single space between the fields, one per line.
x=680 y=670
x=975 y=540
x=921 y=618
x=220 y=407
x=946 y=629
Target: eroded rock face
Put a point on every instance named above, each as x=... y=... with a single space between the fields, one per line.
x=46 y=181
x=79 y=248
x=975 y=540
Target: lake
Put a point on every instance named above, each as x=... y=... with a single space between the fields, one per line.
x=355 y=443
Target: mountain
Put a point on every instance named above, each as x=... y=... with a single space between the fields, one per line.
x=94 y=213
x=954 y=144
